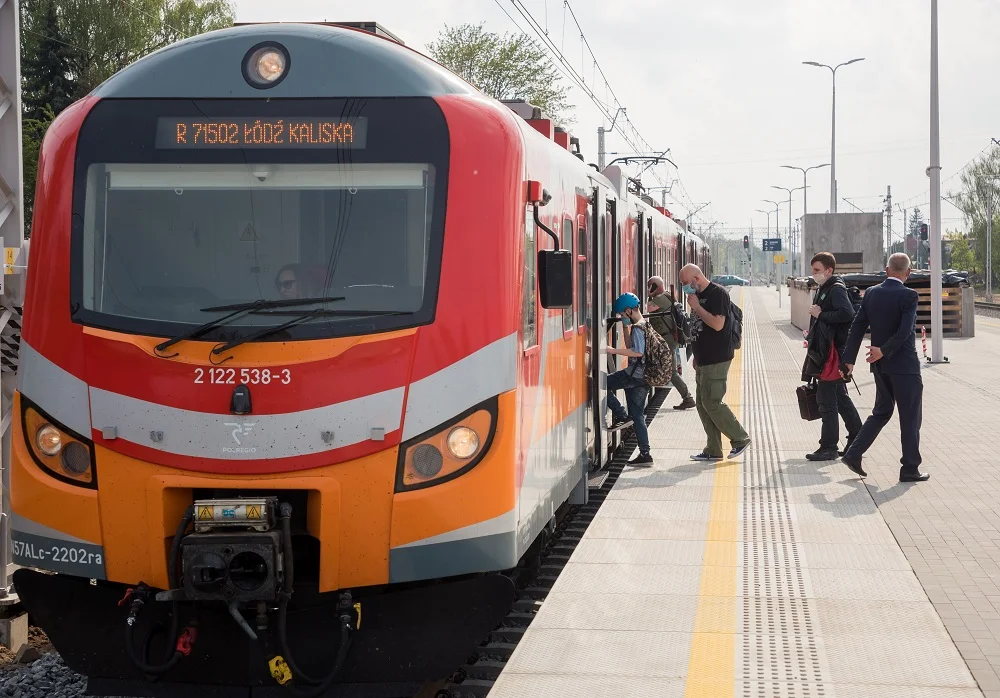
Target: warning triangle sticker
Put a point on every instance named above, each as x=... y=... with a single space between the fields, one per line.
x=249 y=234
x=205 y=514
x=253 y=512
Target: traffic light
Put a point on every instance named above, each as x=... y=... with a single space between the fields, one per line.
x=746 y=242
x=923 y=231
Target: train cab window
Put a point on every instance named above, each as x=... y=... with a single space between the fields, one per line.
x=528 y=304
x=583 y=298
x=567 y=241
x=166 y=239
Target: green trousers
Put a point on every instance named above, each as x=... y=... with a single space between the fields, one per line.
x=715 y=414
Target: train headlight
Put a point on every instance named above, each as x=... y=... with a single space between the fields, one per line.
x=265 y=65
x=56 y=450
x=463 y=442
x=448 y=451
x=49 y=440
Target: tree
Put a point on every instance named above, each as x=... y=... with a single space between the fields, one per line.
x=47 y=82
x=979 y=184
x=962 y=257
x=504 y=67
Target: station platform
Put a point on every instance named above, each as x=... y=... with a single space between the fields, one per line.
x=773 y=576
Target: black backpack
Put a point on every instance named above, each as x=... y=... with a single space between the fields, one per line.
x=735 y=326
x=682 y=323
x=854 y=293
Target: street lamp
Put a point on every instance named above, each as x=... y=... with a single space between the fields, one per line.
x=805 y=199
x=791 y=243
x=833 y=136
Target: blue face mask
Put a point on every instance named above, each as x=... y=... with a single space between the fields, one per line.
x=689 y=290
x=626 y=320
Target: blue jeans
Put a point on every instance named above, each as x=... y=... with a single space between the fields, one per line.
x=636 y=392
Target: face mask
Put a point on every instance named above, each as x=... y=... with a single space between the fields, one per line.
x=626 y=320
x=820 y=279
x=689 y=290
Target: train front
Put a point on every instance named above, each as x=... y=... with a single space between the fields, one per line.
x=246 y=371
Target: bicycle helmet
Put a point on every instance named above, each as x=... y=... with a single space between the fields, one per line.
x=625 y=301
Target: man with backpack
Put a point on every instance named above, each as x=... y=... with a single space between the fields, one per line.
x=832 y=314
x=716 y=329
x=631 y=379
x=670 y=324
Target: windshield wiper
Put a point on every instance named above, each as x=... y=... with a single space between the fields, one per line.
x=261 y=304
x=239 y=310
x=333 y=313
x=306 y=315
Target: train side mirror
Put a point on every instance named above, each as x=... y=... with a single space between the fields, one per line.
x=555 y=267
x=555 y=278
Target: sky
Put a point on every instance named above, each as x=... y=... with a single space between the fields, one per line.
x=722 y=85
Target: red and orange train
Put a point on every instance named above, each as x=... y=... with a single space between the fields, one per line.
x=301 y=373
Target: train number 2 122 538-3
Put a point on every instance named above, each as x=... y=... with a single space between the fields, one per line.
x=245 y=376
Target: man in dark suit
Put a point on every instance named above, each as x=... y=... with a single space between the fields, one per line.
x=890 y=311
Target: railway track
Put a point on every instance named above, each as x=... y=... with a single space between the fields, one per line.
x=533 y=583
x=988 y=309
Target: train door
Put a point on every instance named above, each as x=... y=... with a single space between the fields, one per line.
x=613 y=330
x=652 y=252
x=600 y=310
x=642 y=255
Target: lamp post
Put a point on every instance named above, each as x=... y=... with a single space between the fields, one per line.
x=833 y=129
x=805 y=208
x=934 y=172
x=791 y=243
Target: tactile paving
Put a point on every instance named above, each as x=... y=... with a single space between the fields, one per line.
x=649 y=612
x=513 y=685
x=629 y=579
x=639 y=552
x=603 y=653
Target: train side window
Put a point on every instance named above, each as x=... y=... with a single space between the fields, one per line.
x=528 y=304
x=583 y=300
x=567 y=241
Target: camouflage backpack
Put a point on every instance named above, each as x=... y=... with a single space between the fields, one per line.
x=659 y=359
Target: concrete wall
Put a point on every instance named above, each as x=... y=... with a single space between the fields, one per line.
x=801 y=302
x=845 y=234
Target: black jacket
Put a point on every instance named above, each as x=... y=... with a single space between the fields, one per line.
x=831 y=328
x=889 y=310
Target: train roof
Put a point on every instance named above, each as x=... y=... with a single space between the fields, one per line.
x=324 y=61
x=370 y=27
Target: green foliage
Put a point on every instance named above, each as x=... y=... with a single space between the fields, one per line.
x=47 y=72
x=980 y=183
x=962 y=256
x=504 y=67
x=32 y=132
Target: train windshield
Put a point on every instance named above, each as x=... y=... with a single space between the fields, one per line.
x=169 y=243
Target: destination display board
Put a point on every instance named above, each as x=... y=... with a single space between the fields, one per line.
x=252 y=132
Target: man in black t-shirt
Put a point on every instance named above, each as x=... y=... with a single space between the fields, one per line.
x=713 y=353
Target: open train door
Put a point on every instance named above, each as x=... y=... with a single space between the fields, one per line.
x=597 y=329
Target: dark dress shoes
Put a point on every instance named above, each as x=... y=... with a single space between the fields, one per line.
x=854 y=464
x=914 y=477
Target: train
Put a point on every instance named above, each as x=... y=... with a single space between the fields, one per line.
x=312 y=357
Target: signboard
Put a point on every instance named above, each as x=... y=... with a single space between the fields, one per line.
x=772 y=244
x=243 y=132
x=779 y=259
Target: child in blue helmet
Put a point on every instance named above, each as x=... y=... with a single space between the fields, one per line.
x=631 y=379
